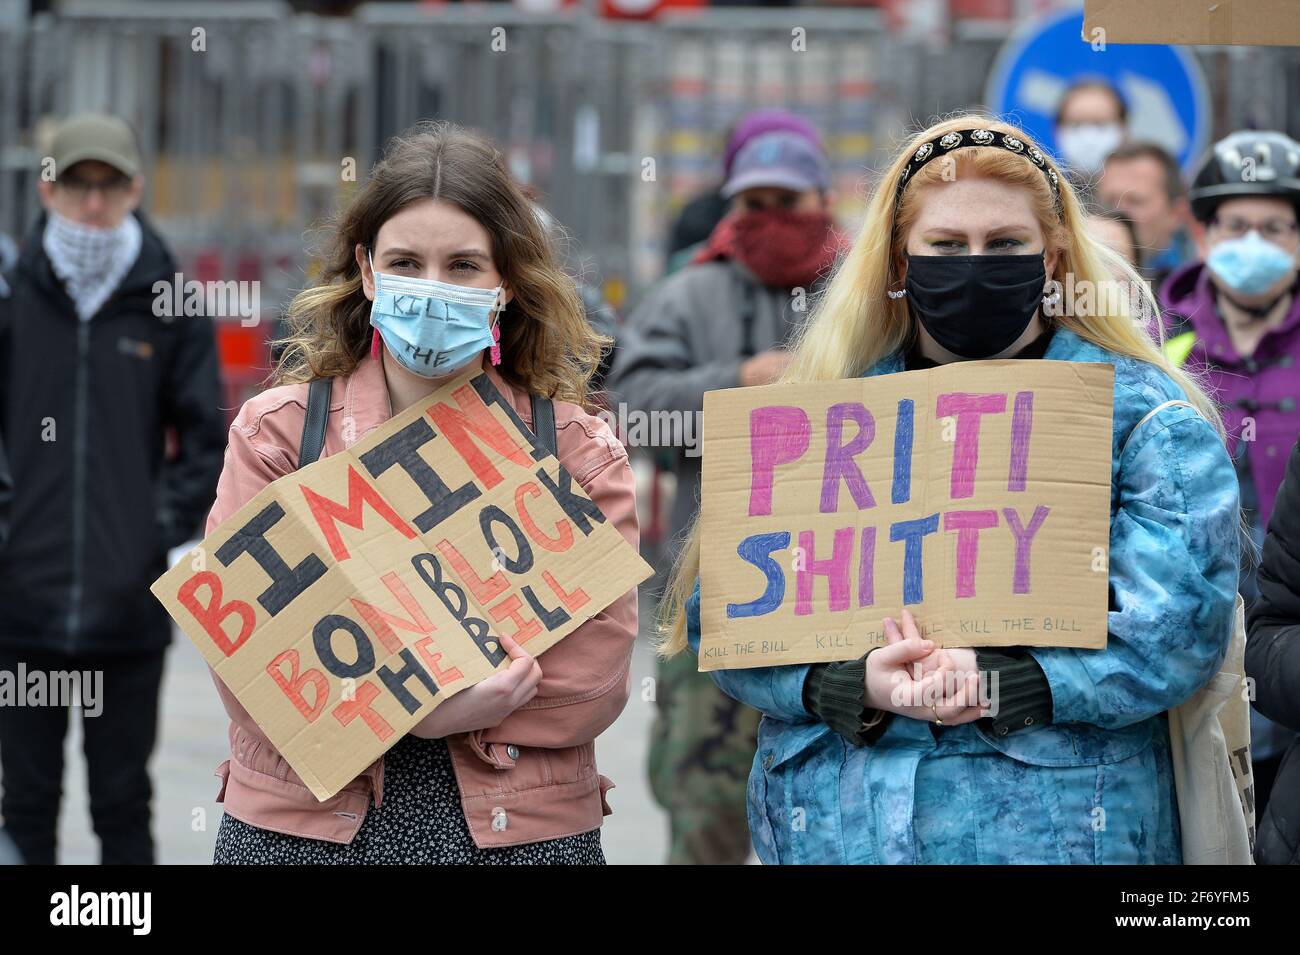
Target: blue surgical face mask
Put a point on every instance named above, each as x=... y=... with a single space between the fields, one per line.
x=431 y=327
x=1250 y=265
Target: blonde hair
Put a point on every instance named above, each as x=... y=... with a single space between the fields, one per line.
x=855 y=324
x=547 y=344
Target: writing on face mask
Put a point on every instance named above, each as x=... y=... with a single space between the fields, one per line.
x=432 y=327
x=428 y=357
x=414 y=306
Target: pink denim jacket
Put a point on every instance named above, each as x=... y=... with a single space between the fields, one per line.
x=534 y=776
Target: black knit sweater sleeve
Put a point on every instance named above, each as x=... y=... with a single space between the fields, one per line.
x=1021 y=693
x=836 y=694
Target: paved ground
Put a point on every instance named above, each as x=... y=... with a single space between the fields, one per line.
x=193 y=743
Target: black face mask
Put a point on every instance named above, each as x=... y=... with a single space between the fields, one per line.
x=975 y=305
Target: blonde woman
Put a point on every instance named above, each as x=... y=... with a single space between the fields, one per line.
x=966 y=235
x=437 y=264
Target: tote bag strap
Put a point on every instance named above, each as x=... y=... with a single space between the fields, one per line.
x=1178 y=403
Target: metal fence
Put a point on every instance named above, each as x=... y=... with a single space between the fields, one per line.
x=252 y=117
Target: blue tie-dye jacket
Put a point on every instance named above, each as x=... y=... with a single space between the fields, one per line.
x=1094 y=785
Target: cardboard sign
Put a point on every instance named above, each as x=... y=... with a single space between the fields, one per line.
x=347 y=600
x=976 y=494
x=1194 y=22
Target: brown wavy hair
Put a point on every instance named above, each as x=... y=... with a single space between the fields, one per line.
x=547 y=345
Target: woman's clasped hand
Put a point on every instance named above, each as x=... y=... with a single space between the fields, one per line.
x=913 y=677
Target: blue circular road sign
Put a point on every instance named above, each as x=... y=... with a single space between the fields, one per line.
x=1163 y=86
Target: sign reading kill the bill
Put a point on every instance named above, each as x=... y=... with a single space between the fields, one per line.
x=347 y=600
x=975 y=494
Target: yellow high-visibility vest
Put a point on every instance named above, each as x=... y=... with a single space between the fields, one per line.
x=1179 y=347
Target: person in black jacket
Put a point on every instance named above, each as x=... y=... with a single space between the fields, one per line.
x=92 y=383
x=1273 y=663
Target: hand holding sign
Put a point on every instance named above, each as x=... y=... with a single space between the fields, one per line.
x=486 y=704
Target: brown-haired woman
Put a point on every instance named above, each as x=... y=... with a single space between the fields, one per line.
x=503 y=771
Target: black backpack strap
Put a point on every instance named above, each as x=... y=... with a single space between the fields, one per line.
x=318 y=413
x=544 y=424
x=318 y=416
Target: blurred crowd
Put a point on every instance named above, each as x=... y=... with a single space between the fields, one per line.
x=134 y=400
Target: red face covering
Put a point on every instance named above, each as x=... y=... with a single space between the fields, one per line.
x=782 y=247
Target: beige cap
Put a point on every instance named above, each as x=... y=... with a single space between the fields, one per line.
x=95 y=136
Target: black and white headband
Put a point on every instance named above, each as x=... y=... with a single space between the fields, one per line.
x=959 y=138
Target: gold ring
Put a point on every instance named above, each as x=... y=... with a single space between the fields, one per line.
x=935 y=710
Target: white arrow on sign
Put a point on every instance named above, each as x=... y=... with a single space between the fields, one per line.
x=1151 y=113
x=1040 y=91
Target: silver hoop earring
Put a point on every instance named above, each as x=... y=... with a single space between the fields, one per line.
x=896 y=295
x=1052 y=299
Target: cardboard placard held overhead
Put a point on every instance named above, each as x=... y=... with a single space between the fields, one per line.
x=347 y=600
x=977 y=494
x=1194 y=22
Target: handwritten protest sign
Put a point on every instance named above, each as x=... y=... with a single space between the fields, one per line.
x=346 y=601
x=976 y=494
x=1191 y=22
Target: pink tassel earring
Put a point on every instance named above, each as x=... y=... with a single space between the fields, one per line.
x=495 y=352
x=374 y=344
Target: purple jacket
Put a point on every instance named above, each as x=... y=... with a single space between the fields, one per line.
x=1265 y=387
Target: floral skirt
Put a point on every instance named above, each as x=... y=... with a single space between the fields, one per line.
x=421 y=822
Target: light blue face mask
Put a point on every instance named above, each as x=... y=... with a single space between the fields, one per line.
x=1250 y=265
x=431 y=327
